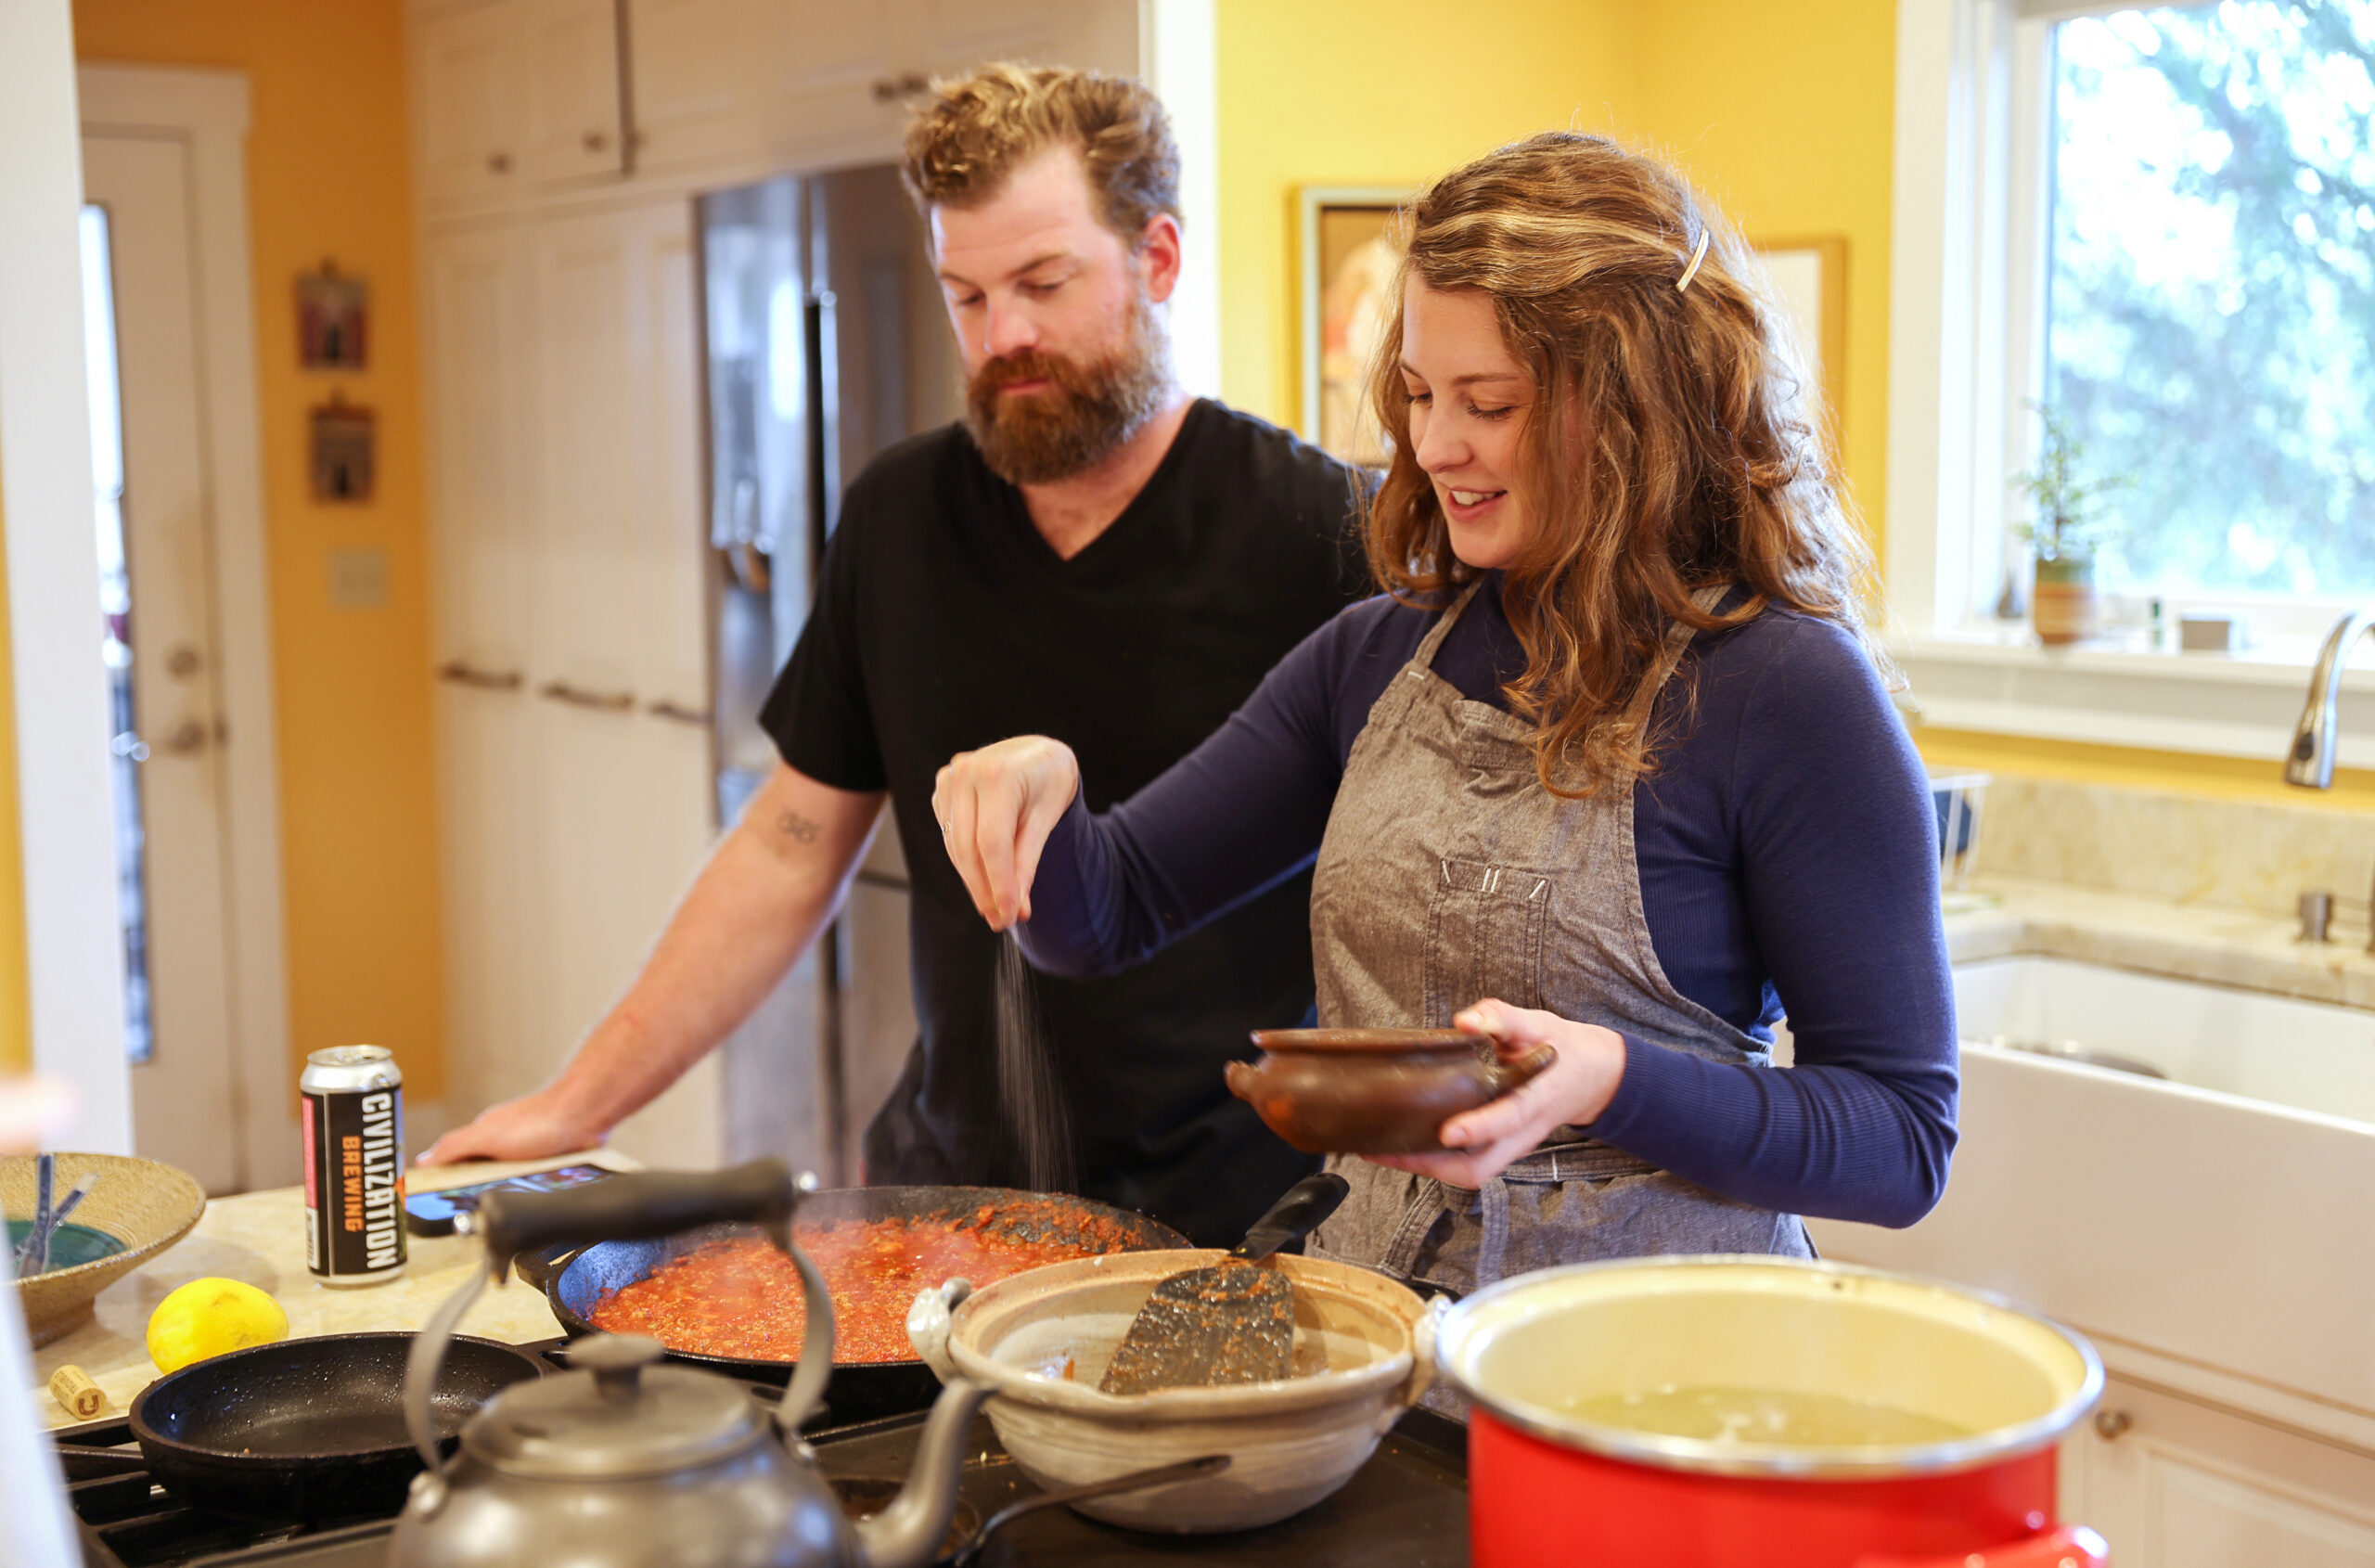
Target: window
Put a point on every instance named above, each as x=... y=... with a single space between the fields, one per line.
x=2210 y=291
x=2160 y=220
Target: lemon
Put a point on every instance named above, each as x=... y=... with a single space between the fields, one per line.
x=208 y=1316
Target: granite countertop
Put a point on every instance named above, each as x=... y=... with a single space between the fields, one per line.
x=260 y=1238
x=1998 y=917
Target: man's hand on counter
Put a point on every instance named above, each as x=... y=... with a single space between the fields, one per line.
x=526 y=1128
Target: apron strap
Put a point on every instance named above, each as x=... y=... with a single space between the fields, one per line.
x=1425 y=657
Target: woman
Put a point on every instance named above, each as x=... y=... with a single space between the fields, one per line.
x=1611 y=766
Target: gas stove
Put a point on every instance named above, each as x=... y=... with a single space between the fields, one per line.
x=1408 y=1506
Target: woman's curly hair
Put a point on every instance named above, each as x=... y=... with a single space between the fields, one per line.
x=1674 y=440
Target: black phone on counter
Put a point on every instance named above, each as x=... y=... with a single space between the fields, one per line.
x=432 y=1214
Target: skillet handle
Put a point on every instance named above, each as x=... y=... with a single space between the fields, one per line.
x=538 y=1266
x=637 y=1205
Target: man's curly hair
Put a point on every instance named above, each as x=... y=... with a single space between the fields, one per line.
x=972 y=132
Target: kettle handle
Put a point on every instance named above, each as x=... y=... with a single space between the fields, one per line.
x=635 y=1205
x=639 y=1204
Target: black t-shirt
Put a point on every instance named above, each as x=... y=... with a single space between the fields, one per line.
x=945 y=623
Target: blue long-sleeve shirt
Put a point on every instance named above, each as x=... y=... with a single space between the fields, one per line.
x=1786 y=851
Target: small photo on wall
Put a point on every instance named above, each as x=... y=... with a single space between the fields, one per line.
x=333 y=320
x=344 y=452
x=1352 y=244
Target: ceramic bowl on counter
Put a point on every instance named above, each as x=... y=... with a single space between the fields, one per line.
x=1363 y=1354
x=140 y=1206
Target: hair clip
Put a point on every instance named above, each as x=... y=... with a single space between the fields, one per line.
x=1698 y=254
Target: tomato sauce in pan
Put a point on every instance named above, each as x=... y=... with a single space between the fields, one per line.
x=741 y=1298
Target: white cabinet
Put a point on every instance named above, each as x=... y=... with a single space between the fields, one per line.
x=848 y=71
x=512 y=95
x=573 y=98
x=699 y=79
x=574 y=771
x=2173 y=1482
x=465 y=114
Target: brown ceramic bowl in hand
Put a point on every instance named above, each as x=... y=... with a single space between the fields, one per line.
x=1374 y=1091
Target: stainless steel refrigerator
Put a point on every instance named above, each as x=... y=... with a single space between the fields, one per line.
x=825 y=342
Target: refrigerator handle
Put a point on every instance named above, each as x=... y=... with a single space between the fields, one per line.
x=824 y=489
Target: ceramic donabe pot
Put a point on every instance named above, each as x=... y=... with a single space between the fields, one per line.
x=1557 y=1474
x=1041 y=1340
x=1373 y=1091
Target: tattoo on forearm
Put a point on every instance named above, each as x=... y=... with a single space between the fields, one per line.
x=794 y=826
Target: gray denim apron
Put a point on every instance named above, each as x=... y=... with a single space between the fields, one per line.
x=1449 y=874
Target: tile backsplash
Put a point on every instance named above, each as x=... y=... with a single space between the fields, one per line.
x=2255 y=856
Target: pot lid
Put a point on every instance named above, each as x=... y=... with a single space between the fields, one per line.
x=619 y=1415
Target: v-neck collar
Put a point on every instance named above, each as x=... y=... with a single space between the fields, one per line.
x=1136 y=518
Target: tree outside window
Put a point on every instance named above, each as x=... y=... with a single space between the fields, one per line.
x=2211 y=290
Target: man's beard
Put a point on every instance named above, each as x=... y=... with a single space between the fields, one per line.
x=1081 y=416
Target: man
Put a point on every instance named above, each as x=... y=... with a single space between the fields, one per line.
x=1091 y=554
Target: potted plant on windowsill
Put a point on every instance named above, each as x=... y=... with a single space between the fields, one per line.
x=2064 y=528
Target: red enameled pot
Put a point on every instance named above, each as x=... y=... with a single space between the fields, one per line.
x=1547 y=1483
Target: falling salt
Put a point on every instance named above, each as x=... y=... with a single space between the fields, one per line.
x=1029 y=1092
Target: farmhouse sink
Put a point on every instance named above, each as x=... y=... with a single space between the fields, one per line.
x=2224 y=1213
x=2305 y=1055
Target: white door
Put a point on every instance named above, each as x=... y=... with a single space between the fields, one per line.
x=157 y=575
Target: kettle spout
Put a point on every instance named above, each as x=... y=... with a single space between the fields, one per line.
x=908 y=1533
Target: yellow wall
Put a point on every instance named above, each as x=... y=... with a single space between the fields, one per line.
x=1783 y=114
x=327 y=178
x=1375 y=92
x=16 y=999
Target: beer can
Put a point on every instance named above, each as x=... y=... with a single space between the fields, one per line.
x=354 y=1114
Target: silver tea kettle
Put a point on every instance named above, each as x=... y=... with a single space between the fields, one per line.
x=622 y=1462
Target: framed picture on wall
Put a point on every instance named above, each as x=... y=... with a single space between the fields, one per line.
x=1351 y=245
x=1810 y=277
x=333 y=320
x=343 y=451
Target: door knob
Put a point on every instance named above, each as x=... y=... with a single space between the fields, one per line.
x=181 y=662
x=594 y=141
x=187 y=737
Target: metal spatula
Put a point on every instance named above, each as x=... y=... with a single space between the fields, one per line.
x=1231 y=1323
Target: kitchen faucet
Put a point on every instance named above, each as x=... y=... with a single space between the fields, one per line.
x=2310 y=762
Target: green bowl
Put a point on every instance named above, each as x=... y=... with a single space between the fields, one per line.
x=141 y=1206
x=70 y=1245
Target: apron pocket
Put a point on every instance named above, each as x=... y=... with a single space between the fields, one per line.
x=1485 y=931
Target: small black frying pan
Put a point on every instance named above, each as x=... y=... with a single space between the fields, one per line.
x=307 y=1429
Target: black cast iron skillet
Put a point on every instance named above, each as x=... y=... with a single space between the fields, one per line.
x=308 y=1429
x=575 y=1282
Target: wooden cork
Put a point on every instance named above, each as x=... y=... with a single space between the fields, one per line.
x=72 y=1387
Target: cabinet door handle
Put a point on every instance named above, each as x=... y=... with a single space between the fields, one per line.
x=2111 y=1425
x=578 y=697
x=594 y=141
x=891 y=89
x=482 y=680
x=677 y=713
x=498 y=164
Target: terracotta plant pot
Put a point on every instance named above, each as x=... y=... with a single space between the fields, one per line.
x=2062 y=608
x=1373 y=1091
